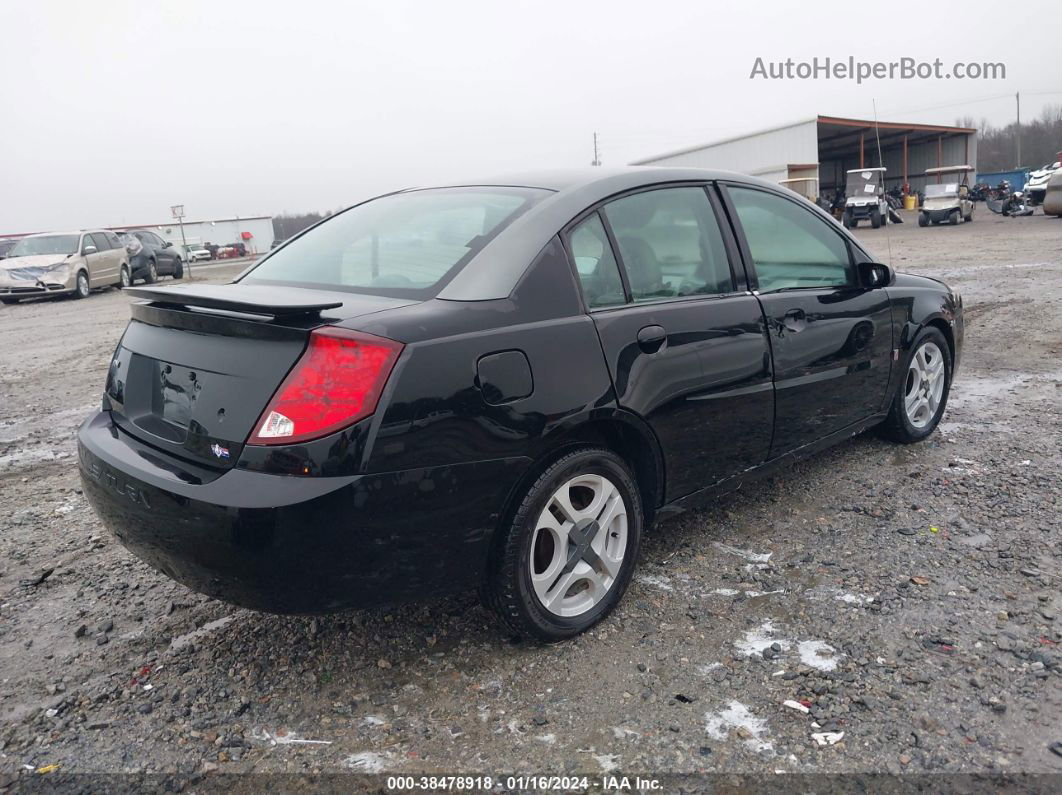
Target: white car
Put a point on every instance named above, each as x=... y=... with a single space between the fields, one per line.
x=1036 y=187
x=198 y=254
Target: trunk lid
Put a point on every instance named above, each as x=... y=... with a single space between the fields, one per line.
x=198 y=364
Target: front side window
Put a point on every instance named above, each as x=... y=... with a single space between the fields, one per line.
x=405 y=244
x=670 y=244
x=790 y=246
x=598 y=272
x=99 y=240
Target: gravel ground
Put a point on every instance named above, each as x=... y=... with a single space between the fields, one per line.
x=906 y=599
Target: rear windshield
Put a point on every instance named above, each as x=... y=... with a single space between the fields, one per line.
x=404 y=244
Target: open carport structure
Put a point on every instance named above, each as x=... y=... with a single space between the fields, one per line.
x=825 y=147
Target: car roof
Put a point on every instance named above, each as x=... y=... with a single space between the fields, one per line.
x=494 y=272
x=67 y=232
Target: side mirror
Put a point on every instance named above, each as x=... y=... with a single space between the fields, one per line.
x=88 y=250
x=874 y=274
x=168 y=244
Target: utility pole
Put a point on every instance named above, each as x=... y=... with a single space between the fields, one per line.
x=1017 y=97
x=597 y=158
x=178 y=212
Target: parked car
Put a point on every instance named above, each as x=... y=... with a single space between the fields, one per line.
x=6 y=245
x=62 y=263
x=1053 y=195
x=198 y=254
x=153 y=257
x=501 y=388
x=1035 y=189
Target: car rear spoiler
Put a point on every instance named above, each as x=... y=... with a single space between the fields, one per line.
x=251 y=299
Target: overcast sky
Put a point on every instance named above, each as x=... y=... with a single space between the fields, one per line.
x=111 y=111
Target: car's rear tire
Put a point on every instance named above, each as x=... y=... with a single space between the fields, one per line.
x=568 y=549
x=875 y=218
x=124 y=279
x=922 y=394
x=81 y=286
x=152 y=274
x=846 y=220
x=178 y=269
x=953 y=217
x=969 y=216
x=923 y=219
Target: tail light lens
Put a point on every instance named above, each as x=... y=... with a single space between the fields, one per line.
x=336 y=382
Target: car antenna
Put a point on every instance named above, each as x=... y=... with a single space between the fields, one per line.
x=877 y=136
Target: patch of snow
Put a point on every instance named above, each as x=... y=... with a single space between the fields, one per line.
x=181 y=641
x=759 y=638
x=655 y=581
x=725 y=592
x=548 y=739
x=368 y=762
x=608 y=762
x=750 y=556
x=288 y=738
x=737 y=716
x=817 y=654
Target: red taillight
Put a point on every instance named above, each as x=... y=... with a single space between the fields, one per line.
x=337 y=382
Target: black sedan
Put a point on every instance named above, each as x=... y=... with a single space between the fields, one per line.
x=499 y=385
x=150 y=256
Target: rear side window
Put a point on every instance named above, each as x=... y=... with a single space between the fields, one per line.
x=790 y=246
x=598 y=272
x=670 y=244
x=113 y=240
x=99 y=240
x=405 y=244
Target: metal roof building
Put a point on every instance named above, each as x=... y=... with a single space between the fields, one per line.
x=824 y=147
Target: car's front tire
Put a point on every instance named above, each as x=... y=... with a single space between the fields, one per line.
x=81 y=286
x=152 y=274
x=922 y=395
x=178 y=269
x=568 y=549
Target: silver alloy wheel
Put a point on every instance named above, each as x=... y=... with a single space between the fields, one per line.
x=924 y=387
x=82 y=285
x=125 y=277
x=578 y=546
x=153 y=271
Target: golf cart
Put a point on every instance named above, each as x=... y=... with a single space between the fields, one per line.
x=865 y=190
x=948 y=200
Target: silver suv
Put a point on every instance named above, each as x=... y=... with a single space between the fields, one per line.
x=58 y=263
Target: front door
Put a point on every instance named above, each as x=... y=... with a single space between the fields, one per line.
x=831 y=337
x=687 y=351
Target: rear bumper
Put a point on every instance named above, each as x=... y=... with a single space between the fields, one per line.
x=289 y=544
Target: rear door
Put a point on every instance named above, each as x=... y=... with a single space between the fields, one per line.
x=684 y=342
x=830 y=336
